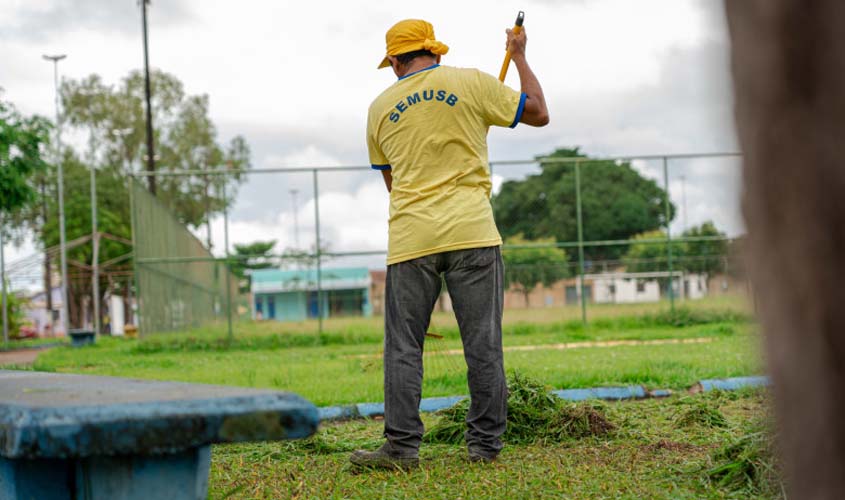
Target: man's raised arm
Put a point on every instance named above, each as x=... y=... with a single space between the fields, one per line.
x=536 y=113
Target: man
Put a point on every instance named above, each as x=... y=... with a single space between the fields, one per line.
x=427 y=134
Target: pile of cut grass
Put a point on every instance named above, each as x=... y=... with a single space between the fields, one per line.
x=748 y=463
x=534 y=415
x=701 y=412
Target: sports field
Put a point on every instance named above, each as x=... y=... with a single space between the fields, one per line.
x=649 y=455
x=640 y=344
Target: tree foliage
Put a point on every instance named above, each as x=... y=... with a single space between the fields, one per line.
x=529 y=266
x=251 y=256
x=113 y=117
x=112 y=217
x=705 y=257
x=617 y=203
x=22 y=143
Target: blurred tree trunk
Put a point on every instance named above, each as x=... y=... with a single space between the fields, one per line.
x=788 y=61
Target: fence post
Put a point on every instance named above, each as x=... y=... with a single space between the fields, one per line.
x=581 y=285
x=95 y=254
x=668 y=234
x=226 y=268
x=135 y=265
x=3 y=280
x=318 y=253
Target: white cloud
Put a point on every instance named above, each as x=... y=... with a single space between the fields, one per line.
x=296 y=79
x=349 y=221
x=310 y=156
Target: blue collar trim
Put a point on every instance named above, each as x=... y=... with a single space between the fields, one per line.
x=419 y=71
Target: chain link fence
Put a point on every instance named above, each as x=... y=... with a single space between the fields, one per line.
x=569 y=242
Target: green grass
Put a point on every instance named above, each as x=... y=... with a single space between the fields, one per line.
x=534 y=415
x=348 y=371
x=647 y=456
x=15 y=344
x=687 y=447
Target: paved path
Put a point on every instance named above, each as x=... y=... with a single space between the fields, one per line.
x=19 y=357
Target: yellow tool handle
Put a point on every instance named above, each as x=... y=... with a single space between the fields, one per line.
x=517 y=27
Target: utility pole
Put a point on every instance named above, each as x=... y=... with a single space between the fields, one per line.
x=151 y=165
x=62 y=237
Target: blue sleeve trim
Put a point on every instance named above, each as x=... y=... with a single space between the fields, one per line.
x=381 y=167
x=519 y=110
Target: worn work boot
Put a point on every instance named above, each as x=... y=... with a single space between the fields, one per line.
x=383 y=458
x=476 y=456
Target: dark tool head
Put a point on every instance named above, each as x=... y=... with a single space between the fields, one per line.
x=519 y=18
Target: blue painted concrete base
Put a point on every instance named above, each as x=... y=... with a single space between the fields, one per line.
x=360 y=410
x=177 y=476
x=81 y=338
x=729 y=384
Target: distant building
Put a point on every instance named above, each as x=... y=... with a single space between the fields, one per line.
x=291 y=295
x=617 y=287
x=36 y=313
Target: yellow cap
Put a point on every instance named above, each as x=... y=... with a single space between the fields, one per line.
x=410 y=35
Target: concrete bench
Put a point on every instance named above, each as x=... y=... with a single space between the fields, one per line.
x=76 y=436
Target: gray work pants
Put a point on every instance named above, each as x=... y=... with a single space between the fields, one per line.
x=474 y=279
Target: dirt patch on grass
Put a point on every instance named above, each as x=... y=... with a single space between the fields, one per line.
x=19 y=357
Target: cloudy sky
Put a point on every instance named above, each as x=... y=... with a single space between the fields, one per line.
x=296 y=78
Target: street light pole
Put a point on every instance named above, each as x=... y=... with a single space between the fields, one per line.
x=151 y=166
x=62 y=237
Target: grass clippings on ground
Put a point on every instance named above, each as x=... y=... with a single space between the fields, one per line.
x=534 y=415
x=747 y=462
x=646 y=457
x=698 y=411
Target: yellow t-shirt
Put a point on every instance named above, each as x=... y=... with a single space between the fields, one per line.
x=430 y=129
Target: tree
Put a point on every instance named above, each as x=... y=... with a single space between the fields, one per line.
x=648 y=252
x=617 y=203
x=531 y=266
x=251 y=256
x=22 y=142
x=708 y=256
x=113 y=218
x=789 y=107
x=16 y=317
x=186 y=139
x=704 y=257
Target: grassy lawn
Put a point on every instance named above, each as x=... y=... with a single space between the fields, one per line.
x=648 y=455
x=343 y=365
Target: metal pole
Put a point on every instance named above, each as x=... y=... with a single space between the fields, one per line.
x=48 y=278
x=3 y=279
x=133 y=219
x=684 y=198
x=62 y=236
x=151 y=166
x=581 y=284
x=293 y=193
x=668 y=234
x=228 y=263
x=318 y=252
x=95 y=258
